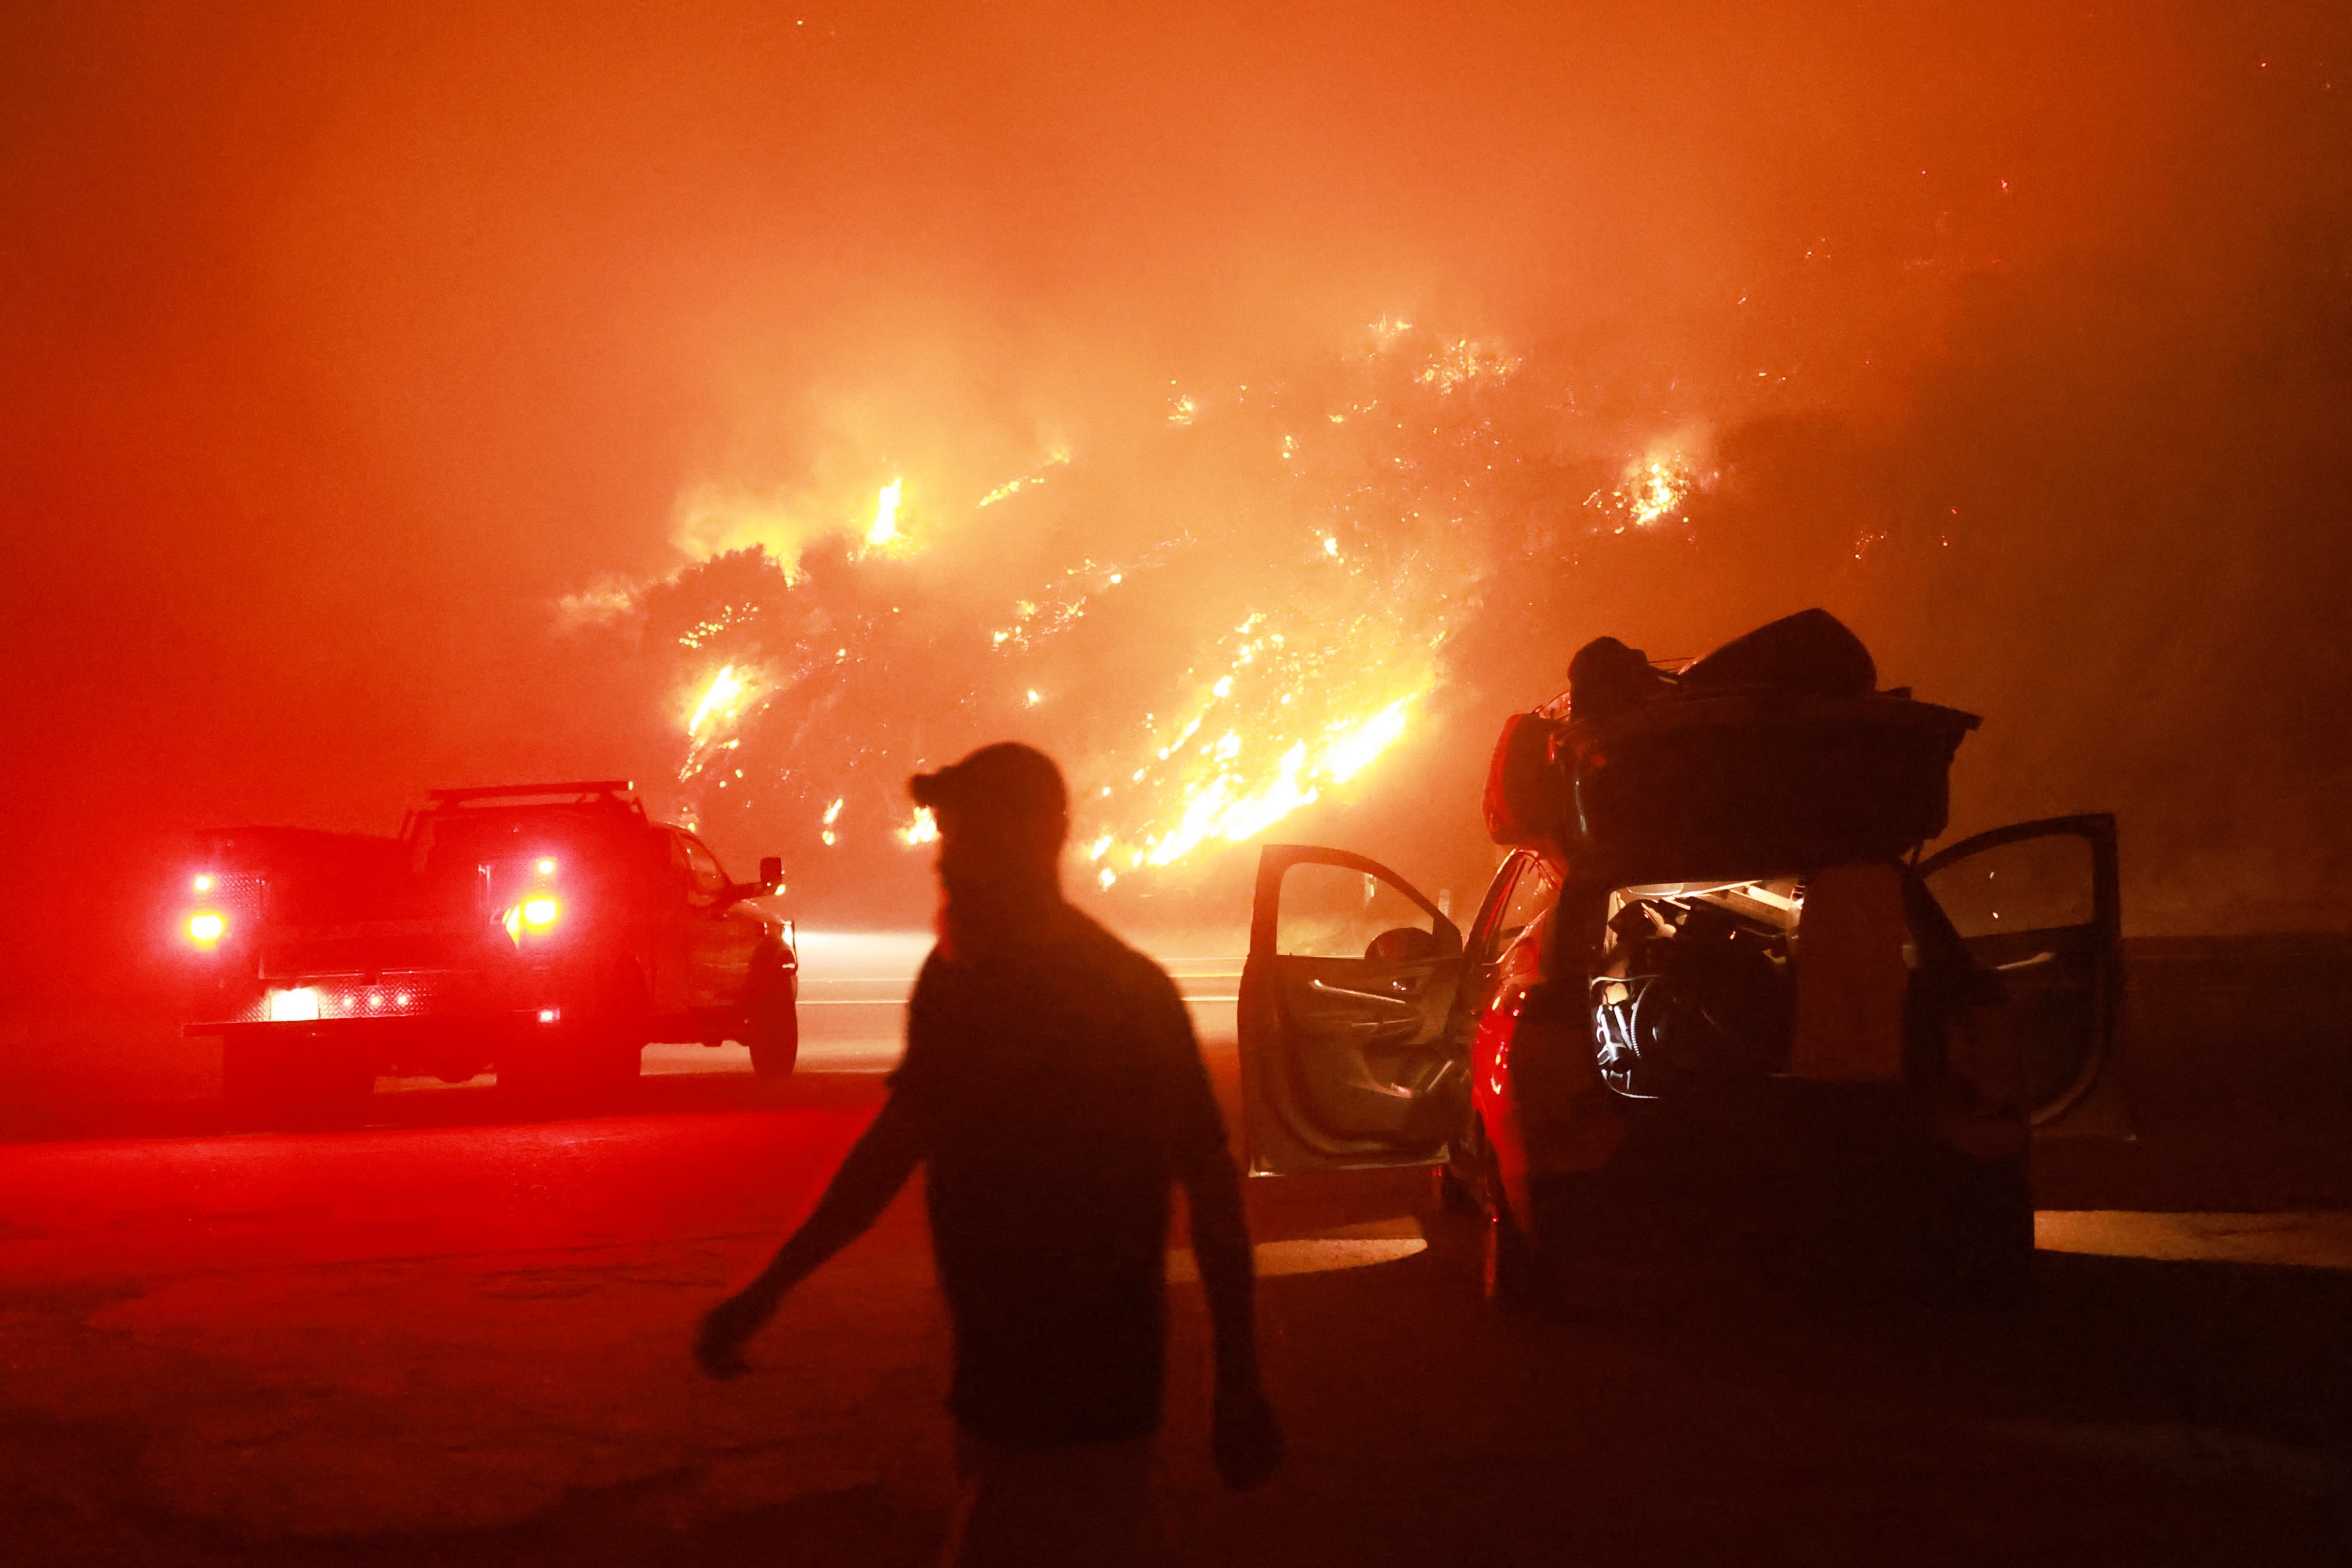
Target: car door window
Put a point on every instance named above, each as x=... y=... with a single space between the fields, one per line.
x=709 y=880
x=1337 y=912
x=2043 y=884
x=705 y=879
x=2037 y=907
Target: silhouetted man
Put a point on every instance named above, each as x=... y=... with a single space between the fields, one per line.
x=1053 y=1087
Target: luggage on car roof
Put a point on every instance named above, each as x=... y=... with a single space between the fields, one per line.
x=1811 y=651
x=1770 y=755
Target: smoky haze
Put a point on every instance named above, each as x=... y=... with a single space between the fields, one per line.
x=380 y=388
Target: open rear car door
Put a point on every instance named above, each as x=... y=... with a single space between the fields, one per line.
x=2038 y=905
x=1346 y=1002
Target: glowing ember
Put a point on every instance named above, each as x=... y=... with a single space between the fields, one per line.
x=1035 y=476
x=1464 y=361
x=1655 y=494
x=1651 y=490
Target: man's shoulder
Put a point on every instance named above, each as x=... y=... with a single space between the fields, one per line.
x=935 y=973
x=1091 y=943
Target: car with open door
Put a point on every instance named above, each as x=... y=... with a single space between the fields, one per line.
x=1742 y=1031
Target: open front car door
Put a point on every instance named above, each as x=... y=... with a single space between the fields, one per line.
x=1347 y=999
x=2038 y=907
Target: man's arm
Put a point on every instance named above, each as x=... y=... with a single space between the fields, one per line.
x=1246 y=1437
x=877 y=1166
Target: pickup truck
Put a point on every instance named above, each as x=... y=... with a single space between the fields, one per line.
x=543 y=931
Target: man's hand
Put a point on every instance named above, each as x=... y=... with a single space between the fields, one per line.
x=877 y=1166
x=1247 y=1439
x=726 y=1328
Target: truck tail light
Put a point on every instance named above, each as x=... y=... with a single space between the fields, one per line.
x=535 y=916
x=300 y=1005
x=206 y=928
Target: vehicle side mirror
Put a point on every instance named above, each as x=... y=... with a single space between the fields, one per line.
x=772 y=872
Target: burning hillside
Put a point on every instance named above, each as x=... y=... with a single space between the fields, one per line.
x=1243 y=612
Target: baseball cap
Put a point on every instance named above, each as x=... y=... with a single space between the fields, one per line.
x=1008 y=781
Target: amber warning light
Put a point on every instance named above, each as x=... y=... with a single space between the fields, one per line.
x=536 y=914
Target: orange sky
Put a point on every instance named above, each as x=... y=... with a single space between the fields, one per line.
x=334 y=350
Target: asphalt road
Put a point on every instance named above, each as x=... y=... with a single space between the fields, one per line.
x=457 y=1337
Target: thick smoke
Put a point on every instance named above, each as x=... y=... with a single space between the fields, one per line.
x=341 y=348
x=2104 y=519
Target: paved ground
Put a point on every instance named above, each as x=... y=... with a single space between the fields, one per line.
x=455 y=1337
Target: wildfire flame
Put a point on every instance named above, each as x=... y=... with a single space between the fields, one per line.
x=885 y=531
x=1656 y=494
x=715 y=711
x=1291 y=717
x=1319 y=542
x=1651 y=489
x=717 y=697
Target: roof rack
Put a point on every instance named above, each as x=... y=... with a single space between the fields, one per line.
x=593 y=786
